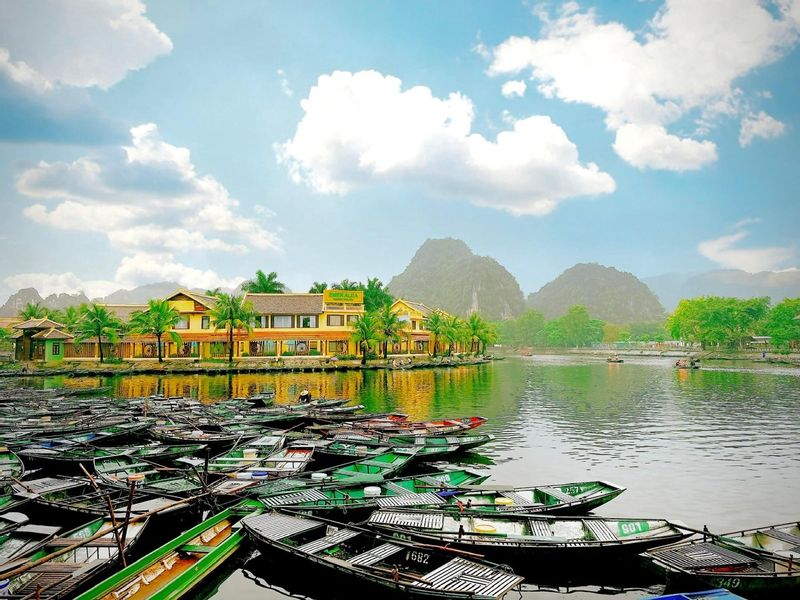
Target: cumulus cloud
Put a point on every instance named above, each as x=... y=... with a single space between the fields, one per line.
x=651 y=147
x=147 y=195
x=286 y=89
x=759 y=125
x=94 y=43
x=687 y=60
x=722 y=251
x=363 y=128
x=513 y=88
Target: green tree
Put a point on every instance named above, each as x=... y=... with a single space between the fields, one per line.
x=783 y=325
x=264 y=284
x=390 y=328
x=476 y=327
x=575 y=325
x=157 y=319
x=346 y=284
x=33 y=310
x=554 y=334
x=455 y=331
x=375 y=295
x=98 y=322
x=232 y=312
x=71 y=316
x=365 y=333
x=318 y=287
x=436 y=324
x=215 y=292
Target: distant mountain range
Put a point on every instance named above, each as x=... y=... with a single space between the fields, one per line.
x=777 y=285
x=611 y=295
x=445 y=273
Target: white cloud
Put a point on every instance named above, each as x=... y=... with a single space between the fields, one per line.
x=362 y=128
x=286 y=89
x=747 y=221
x=92 y=43
x=753 y=260
x=651 y=147
x=146 y=195
x=688 y=59
x=56 y=283
x=759 y=125
x=513 y=88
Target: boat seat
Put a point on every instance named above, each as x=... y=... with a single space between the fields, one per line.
x=196 y=548
x=328 y=541
x=558 y=494
x=702 y=555
x=409 y=500
x=375 y=555
x=540 y=528
x=312 y=495
x=784 y=537
x=517 y=499
x=64 y=542
x=600 y=530
x=395 y=488
x=466 y=576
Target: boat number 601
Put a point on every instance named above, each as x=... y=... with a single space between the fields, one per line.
x=418 y=557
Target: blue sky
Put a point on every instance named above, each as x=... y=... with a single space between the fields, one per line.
x=200 y=141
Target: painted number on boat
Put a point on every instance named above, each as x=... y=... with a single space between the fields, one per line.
x=728 y=582
x=632 y=527
x=421 y=558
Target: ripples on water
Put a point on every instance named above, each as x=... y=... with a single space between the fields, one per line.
x=719 y=446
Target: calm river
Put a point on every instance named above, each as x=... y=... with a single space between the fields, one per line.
x=717 y=447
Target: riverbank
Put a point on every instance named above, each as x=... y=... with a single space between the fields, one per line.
x=271 y=365
x=704 y=355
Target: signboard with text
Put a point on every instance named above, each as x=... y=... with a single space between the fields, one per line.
x=343 y=297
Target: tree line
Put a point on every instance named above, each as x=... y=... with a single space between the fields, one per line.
x=710 y=321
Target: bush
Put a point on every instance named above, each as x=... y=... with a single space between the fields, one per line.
x=314 y=353
x=288 y=353
x=113 y=360
x=346 y=356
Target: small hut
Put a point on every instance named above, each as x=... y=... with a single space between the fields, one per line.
x=40 y=339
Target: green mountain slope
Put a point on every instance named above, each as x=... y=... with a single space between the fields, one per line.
x=444 y=273
x=611 y=295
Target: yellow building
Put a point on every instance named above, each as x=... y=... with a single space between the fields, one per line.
x=418 y=338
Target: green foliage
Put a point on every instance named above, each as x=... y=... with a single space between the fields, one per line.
x=157 y=319
x=436 y=324
x=576 y=328
x=98 y=322
x=717 y=321
x=318 y=287
x=33 y=310
x=232 y=312
x=365 y=333
x=375 y=294
x=390 y=328
x=783 y=324
x=264 y=284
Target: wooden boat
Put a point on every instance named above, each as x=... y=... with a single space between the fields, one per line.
x=558 y=499
x=283 y=463
x=81 y=497
x=11 y=466
x=428 y=445
x=251 y=454
x=118 y=471
x=357 y=498
x=174 y=569
x=370 y=469
x=707 y=595
x=22 y=541
x=63 y=575
x=615 y=358
x=11 y=520
x=182 y=434
x=759 y=563
x=527 y=542
x=436 y=427
x=691 y=363
x=361 y=557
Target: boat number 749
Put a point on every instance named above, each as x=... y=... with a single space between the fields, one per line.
x=418 y=557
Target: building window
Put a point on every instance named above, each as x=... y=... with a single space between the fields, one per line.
x=335 y=320
x=283 y=321
x=205 y=322
x=56 y=349
x=183 y=323
x=414 y=325
x=351 y=319
x=307 y=321
x=337 y=347
x=261 y=322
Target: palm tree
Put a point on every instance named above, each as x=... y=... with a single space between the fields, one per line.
x=453 y=332
x=71 y=316
x=157 y=319
x=33 y=310
x=318 y=287
x=375 y=295
x=365 y=332
x=264 y=284
x=346 y=284
x=98 y=322
x=487 y=336
x=436 y=324
x=478 y=331
x=215 y=292
x=232 y=312
x=389 y=328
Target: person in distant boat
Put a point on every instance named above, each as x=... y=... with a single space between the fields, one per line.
x=305 y=396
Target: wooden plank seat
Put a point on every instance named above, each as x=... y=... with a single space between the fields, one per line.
x=702 y=555
x=518 y=500
x=375 y=555
x=540 y=528
x=461 y=575
x=273 y=526
x=296 y=498
x=600 y=530
x=789 y=538
x=64 y=542
x=198 y=548
x=409 y=500
x=328 y=541
x=409 y=519
x=556 y=493
x=395 y=488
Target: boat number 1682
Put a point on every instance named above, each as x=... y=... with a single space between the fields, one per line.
x=418 y=557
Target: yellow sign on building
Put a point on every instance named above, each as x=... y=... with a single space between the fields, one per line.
x=343 y=297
